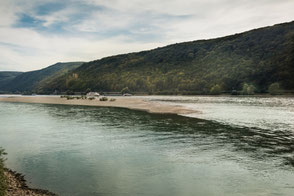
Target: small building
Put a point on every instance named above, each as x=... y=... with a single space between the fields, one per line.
x=93 y=94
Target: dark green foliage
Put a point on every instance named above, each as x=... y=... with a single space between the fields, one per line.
x=215 y=90
x=88 y=90
x=31 y=81
x=69 y=92
x=258 y=57
x=2 y=177
x=234 y=92
x=125 y=90
x=248 y=89
x=274 y=89
x=103 y=99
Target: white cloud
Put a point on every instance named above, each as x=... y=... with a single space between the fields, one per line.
x=122 y=26
x=36 y=51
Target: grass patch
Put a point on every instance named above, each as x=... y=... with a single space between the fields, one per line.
x=2 y=177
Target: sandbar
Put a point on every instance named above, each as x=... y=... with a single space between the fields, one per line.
x=134 y=103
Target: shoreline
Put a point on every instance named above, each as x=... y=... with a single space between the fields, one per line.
x=17 y=186
x=120 y=102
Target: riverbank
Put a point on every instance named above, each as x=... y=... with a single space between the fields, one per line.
x=120 y=102
x=16 y=186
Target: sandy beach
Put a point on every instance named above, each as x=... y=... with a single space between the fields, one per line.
x=134 y=103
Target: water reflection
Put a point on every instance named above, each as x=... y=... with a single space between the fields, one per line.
x=173 y=129
x=108 y=151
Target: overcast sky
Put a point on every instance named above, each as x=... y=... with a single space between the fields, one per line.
x=38 y=33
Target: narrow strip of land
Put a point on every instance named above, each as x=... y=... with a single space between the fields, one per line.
x=120 y=102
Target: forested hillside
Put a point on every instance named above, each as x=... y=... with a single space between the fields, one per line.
x=254 y=59
x=259 y=57
x=29 y=81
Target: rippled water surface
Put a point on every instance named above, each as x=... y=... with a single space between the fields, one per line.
x=75 y=150
x=275 y=113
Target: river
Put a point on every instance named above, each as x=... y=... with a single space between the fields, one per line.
x=233 y=146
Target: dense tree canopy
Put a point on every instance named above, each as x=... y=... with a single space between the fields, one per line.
x=258 y=58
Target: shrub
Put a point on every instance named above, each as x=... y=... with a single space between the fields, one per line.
x=274 y=89
x=125 y=90
x=112 y=99
x=215 y=90
x=103 y=99
x=248 y=89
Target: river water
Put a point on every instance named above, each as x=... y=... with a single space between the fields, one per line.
x=233 y=146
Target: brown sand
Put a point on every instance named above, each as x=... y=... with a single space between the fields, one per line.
x=121 y=102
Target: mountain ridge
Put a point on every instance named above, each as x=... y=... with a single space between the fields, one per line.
x=27 y=81
x=257 y=57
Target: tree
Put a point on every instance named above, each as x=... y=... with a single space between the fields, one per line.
x=251 y=90
x=88 y=90
x=125 y=90
x=215 y=90
x=244 y=89
x=274 y=89
x=248 y=89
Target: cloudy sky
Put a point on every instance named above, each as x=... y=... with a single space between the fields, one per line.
x=38 y=33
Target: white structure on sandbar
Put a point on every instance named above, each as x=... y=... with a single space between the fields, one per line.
x=93 y=94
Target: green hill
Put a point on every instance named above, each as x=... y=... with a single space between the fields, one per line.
x=29 y=81
x=6 y=77
x=259 y=57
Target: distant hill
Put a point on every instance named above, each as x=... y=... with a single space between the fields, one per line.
x=29 y=81
x=258 y=57
x=7 y=76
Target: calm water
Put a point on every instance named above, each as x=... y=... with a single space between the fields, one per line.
x=74 y=150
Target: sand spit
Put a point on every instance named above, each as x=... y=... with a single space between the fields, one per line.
x=17 y=186
x=134 y=103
